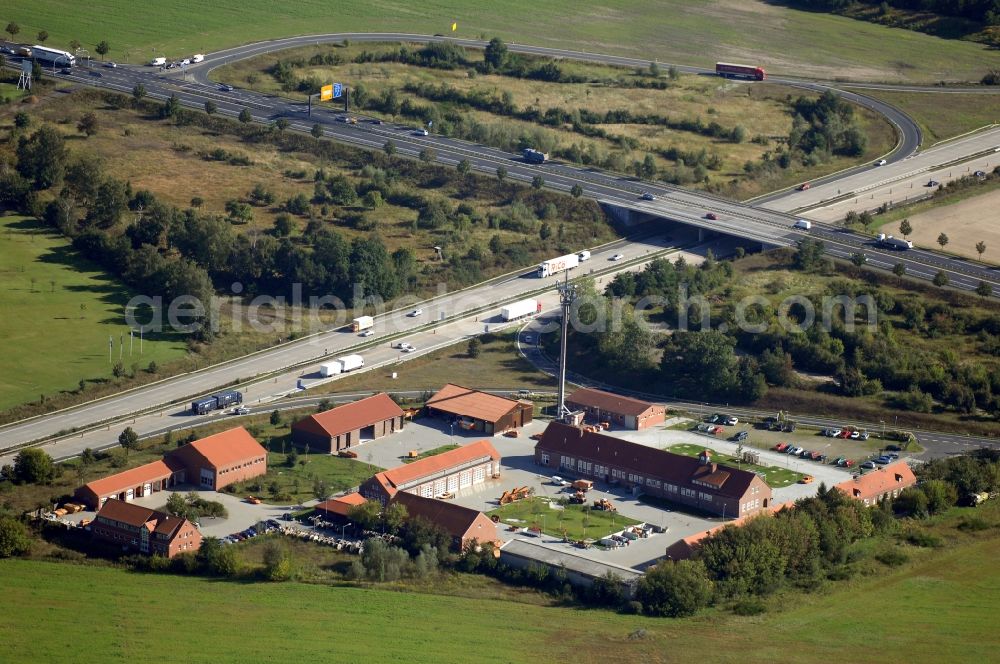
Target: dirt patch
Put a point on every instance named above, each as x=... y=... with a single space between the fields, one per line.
x=965 y=223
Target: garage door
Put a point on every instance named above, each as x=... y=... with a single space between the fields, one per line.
x=426 y=490
x=453 y=483
x=465 y=479
x=478 y=475
x=440 y=486
x=147 y=489
x=129 y=495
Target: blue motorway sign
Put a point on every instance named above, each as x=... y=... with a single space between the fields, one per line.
x=338 y=89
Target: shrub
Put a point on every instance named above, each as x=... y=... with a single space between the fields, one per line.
x=892 y=557
x=924 y=539
x=749 y=607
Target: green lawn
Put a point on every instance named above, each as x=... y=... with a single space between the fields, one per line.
x=942 y=116
x=568 y=522
x=775 y=476
x=940 y=607
x=685 y=31
x=66 y=308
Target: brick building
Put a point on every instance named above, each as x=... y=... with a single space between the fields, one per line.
x=880 y=484
x=464 y=524
x=473 y=410
x=433 y=476
x=625 y=412
x=337 y=509
x=350 y=424
x=147 y=531
x=696 y=482
x=160 y=475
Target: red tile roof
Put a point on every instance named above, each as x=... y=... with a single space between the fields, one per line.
x=563 y=439
x=463 y=456
x=228 y=447
x=458 y=521
x=341 y=505
x=470 y=403
x=352 y=416
x=133 y=477
x=138 y=516
x=685 y=547
x=611 y=403
x=876 y=483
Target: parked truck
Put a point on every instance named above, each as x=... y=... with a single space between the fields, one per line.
x=557 y=265
x=894 y=243
x=362 y=323
x=520 y=309
x=216 y=402
x=341 y=365
x=534 y=156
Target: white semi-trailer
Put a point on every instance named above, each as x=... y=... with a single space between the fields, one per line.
x=557 y=265
x=520 y=309
x=890 y=242
x=351 y=362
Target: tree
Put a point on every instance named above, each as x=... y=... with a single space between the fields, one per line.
x=275 y=417
x=33 y=466
x=42 y=158
x=428 y=155
x=859 y=259
x=675 y=589
x=576 y=191
x=317 y=131
x=981 y=249
x=252 y=79
x=75 y=45
x=138 y=92
x=87 y=125
x=245 y=116
x=42 y=36
x=177 y=506
x=283 y=225
x=210 y=107
x=129 y=439
x=217 y=559
x=22 y=120
x=984 y=289
x=941 y=279
x=373 y=199
x=905 y=227
x=394 y=516
x=277 y=562
x=389 y=148
x=942 y=239
x=899 y=269
x=366 y=514
x=475 y=347
x=88 y=457
x=495 y=54
x=171 y=107
x=537 y=182
x=281 y=124
x=12 y=29
x=501 y=174
x=14 y=539
x=103 y=48
x=197 y=201
x=464 y=167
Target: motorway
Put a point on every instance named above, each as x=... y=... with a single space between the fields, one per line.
x=743 y=221
x=459 y=315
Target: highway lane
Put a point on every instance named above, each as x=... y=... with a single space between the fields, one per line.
x=444 y=319
x=279 y=378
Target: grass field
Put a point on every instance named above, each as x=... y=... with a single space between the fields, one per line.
x=939 y=607
x=683 y=31
x=569 y=521
x=775 y=476
x=942 y=116
x=66 y=308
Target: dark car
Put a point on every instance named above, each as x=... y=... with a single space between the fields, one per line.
x=868 y=465
x=932 y=183
x=225 y=87
x=893 y=448
x=741 y=436
x=712 y=216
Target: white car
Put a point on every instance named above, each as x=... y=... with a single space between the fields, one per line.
x=111 y=65
x=403 y=345
x=241 y=410
x=616 y=257
x=409 y=349
x=732 y=421
x=880 y=162
x=415 y=313
x=367 y=333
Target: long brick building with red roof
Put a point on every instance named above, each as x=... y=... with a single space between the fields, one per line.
x=433 y=476
x=474 y=410
x=880 y=484
x=147 y=531
x=350 y=424
x=697 y=482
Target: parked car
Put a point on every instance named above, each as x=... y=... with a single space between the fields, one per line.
x=805 y=454
x=846 y=433
x=806 y=479
x=717 y=430
x=894 y=448
x=855 y=435
x=848 y=463
x=648 y=197
x=883 y=460
x=794 y=451
x=732 y=421
x=715 y=418
x=741 y=436
x=839 y=461
x=868 y=465
x=864 y=436
x=821 y=458
x=831 y=433
x=712 y=216
x=781 y=447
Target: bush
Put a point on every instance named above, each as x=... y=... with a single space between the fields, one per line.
x=675 y=589
x=749 y=607
x=892 y=557
x=924 y=539
x=974 y=524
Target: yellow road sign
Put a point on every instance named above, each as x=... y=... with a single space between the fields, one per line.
x=326 y=93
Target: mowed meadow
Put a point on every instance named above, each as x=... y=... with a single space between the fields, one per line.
x=939 y=607
x=697 y=32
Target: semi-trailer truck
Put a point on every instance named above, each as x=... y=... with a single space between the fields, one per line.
x=216 y=402
x=362 y=323
x=557 y=265
x=534 y=156
x=520 y=309
x=341 y=365
x=895 y=243
x=730 y=70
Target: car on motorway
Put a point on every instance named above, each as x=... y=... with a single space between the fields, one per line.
x=648 y=197
x=880 y=162
x=376 y=121
x=66 y=71
x=342 y=118
x=617 y=257
x=97 y=74
x=712 y=216
x=932 y=183
x=415 y=313
x=804 y=186
x=225 y=87
x=241 y=410
x=367 y=333
x=403 y=345
x=980 y=174
x=111 y=65
x=409 y=349
x=421 y=132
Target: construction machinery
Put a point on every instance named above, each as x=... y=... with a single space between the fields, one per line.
x=578 y=498
x=583 y=485
x=513 y=495
x=604 y=505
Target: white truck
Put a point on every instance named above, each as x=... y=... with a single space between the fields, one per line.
x=520 y=309
x=197 y=57
x=583 y=256
x=362 y=323
x=341 y=365
x=890 y=242
x=803 y=224
x=158 y=62
x=557 y=265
